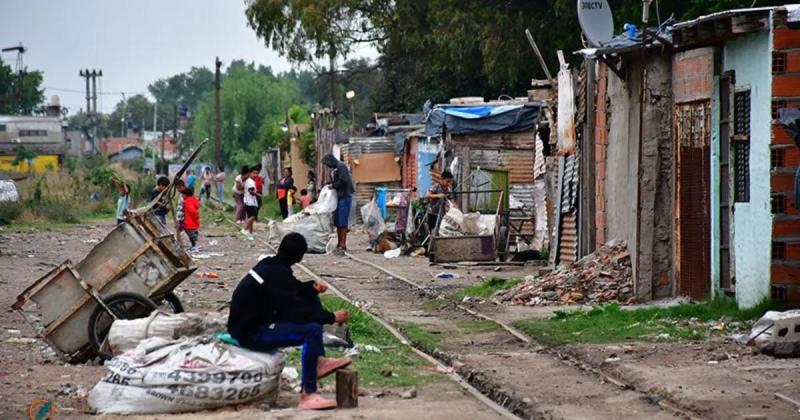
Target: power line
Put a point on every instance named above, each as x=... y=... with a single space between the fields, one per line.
x=67 y=90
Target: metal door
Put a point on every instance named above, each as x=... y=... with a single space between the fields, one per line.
x=693 y=244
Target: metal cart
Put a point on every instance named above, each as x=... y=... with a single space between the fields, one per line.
x=137 y=264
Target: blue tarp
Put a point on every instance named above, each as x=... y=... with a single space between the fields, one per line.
x=481 y=119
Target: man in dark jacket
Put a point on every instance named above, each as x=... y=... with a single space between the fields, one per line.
x=271 y=309
x=343 y=184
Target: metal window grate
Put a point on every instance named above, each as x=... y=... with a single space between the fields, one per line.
x=779 y=250
x=741 y=170
x=741 y=113
x=778 y=62
x=741 y=146
x=778 y=203
x=776 y=107
x=777 y=158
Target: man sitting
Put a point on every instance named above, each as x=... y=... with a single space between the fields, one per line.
x=271 y=309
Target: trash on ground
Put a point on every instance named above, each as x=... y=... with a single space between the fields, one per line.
x=456 y=223
x=188 y=374
x=8 y=192
x=21 y=340
x=394 y=253
x=290 y=379
x=446 y=276
x=409 y=394
x=600 y=277
x=777 y=334
x=208 y=274
x=206 y=255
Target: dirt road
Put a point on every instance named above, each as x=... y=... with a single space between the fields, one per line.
x=665 y=380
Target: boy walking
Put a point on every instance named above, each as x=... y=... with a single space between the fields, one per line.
x=250 y=207
x=271 y=309
x=191 y=217
x=161 y=208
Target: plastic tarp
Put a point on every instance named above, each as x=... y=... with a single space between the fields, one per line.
x=789 y=118
x=188 y=374
x=481 y=119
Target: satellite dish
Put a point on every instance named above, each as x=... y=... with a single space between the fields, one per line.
x=596 y=21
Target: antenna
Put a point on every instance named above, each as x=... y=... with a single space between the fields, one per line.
x=596 y=21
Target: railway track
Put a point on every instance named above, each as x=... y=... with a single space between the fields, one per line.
x=475 y=383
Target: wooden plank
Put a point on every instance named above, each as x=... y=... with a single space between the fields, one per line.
x=346 y=388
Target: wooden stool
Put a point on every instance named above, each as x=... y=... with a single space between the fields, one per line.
x=346 y=388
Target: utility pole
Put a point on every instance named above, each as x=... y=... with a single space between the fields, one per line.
x=175 y=131
x=91 y=97
x=163 y=163
x=217 y=117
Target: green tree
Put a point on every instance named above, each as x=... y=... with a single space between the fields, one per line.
x=20 y=93
x=253 y=107
x=307 y=30
x=185 y=88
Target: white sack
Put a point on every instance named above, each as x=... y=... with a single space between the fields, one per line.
x=172 y=376
x=8 y=192
x=126 y=334
x=373 y=221
x=325 y=204
x=316 y=228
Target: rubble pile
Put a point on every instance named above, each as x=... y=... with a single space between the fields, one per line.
x=600 y=277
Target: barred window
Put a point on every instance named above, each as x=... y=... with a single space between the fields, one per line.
x=741 y=146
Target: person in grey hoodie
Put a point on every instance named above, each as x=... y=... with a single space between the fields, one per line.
x=342 y=182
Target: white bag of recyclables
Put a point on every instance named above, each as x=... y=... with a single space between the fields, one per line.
x=8 y=192
x=326 y=202
x=189 y=374
x=316 y=228
x=373 y=220
x=126 y=334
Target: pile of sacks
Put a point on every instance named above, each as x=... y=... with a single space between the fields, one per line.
x=175 y=363
x=457 y=223
x=601 y=277
x=314 y=223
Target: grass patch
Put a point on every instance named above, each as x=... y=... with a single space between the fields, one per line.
x=396 y=357
x=611 y=324
x=477 y=326
x=423 y=336
x=486 y=288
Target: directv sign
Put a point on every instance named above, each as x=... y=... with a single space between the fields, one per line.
x=596 y=21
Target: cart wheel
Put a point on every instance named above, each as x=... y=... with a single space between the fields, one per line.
x=124 y=305
x=170 y=303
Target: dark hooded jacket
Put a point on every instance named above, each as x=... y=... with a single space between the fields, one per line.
x=340 y=178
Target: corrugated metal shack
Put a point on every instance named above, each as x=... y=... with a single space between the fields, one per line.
x=499 y=135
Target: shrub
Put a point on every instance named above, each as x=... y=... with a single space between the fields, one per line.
x=9 y=212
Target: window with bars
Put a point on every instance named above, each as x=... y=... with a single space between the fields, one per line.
x=778 y=203
x=778 y=62
x=776 y=106
x=741 y=146
x=777 y=158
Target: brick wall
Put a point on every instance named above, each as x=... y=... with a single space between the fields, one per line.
x=785 y=159
x=692 y=74
x=601 y=149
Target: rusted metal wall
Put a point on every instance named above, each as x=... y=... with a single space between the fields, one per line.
x=693 y=132
x=512 y=151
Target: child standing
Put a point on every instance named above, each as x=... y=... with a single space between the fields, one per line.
x=191 y=217
x=290 y=200
x=238 y=193
x=179 y=215
x=305 y=198
x=250 y=207
x=161 y=208
x=123 y=202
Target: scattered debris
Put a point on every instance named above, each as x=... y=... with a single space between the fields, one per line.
x=603 y=276
x=91 y=241
x=446 y=276
x=777 y=334
x=409 y=394
x=207 y=255
x=394 y=253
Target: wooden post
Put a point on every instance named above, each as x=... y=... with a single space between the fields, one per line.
x=346 y=388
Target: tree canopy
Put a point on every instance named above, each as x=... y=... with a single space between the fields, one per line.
x=254 y=104
x=20 y=93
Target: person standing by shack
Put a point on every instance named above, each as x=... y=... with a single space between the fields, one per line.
x=238 y=193
x=282 y=189
x=219 y=182
x=437 y=196
x=342 y=182
x=270 y=309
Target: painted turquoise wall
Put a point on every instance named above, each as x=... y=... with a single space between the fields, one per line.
x=750 y=57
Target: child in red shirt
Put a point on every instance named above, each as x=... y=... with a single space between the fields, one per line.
x=191 y=217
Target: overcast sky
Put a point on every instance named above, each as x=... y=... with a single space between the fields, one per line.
x=133 y=42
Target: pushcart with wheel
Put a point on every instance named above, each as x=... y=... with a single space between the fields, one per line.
x=130 y=273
